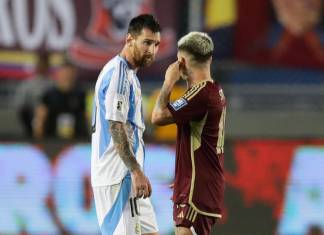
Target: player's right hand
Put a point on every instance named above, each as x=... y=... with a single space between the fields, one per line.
x=173 y=73
x=141 y=184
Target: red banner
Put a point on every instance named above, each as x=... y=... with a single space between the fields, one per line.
x=88 y=32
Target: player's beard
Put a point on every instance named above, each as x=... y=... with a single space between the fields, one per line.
x=142 y=60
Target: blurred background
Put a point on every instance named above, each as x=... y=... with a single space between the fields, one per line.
x=269 y=58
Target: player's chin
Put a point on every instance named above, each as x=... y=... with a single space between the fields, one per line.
x=147 y=62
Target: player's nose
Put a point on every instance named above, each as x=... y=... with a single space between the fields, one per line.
x=152 y=49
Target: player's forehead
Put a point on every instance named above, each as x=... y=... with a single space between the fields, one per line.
x=147 y=34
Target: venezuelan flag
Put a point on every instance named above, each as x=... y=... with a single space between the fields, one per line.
x=15 y=64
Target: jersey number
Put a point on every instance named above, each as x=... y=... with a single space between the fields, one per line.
x=221 y=133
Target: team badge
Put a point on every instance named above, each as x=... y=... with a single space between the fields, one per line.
x=137 y=228
x=119 y=105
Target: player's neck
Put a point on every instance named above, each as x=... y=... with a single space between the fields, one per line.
x=128 y=57
x=197 y=76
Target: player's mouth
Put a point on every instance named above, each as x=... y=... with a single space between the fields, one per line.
x=148 y=60
x=148 y=57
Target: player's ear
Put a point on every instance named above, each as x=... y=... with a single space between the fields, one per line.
x=129 y=39
x=182 y=61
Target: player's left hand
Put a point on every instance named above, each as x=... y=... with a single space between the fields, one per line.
x=141 y=184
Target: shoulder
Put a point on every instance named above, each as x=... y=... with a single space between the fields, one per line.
x=218 y=88
x=110 y=67
x=111 y=71
x=216 y=93
x=116 y=69
x=197 y=91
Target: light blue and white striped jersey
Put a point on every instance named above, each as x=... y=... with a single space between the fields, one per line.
x=117 y=98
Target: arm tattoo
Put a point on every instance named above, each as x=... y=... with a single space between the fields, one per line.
x=161 y=111
x=119 y=136
x=163 y=98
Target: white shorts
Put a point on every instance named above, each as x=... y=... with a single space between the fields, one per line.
x=119 y=213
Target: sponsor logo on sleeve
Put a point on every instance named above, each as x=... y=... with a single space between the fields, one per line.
x=178 y=104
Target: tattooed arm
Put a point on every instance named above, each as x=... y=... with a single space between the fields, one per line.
x=140 y=182
x=121 y=143
x=161 y=115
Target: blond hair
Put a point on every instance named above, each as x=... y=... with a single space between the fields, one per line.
x=198 y=44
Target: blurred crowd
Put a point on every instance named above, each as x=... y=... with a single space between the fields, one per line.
x=51 y=104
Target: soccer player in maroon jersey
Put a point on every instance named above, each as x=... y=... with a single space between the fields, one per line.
x=200 y=118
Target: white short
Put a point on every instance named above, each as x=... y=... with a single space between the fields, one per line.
x=119 y=213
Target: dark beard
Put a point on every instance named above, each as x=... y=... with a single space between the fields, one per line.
x=141 y=61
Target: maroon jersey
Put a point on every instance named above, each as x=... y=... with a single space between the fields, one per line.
x=200 y=118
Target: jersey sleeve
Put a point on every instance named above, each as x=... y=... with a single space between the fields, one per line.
x=192 y=106
x=117 y=95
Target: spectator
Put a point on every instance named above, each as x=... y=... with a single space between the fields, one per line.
x=315 y=230
x=62 y=112
x=29 y=93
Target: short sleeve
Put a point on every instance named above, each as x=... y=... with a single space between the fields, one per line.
x=117 y=95
x=192 y=106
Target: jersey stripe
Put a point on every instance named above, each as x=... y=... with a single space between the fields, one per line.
x=119 y=73
x=195 y=142
x=193 y=94
x=194 y=90
x=124 y=84
x=131 y=112
x=121 y=77
x=104 y=134
x=190 y=91
x=111 y=220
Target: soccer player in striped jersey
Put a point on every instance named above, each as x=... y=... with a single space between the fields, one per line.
x=200 y=118
x=121 y=189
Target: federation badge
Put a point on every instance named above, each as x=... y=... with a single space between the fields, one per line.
x=178 y=104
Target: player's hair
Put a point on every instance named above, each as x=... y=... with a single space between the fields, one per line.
x=143 y=21
x=197 y=44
